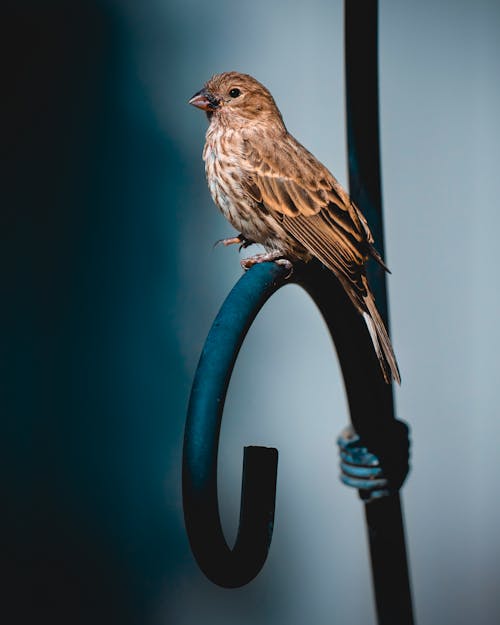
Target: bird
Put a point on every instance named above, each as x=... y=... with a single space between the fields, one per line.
x=275 y=193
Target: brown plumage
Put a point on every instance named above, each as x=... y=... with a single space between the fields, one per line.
x=276 y=193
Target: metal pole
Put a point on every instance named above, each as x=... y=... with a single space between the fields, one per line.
x=384 y=517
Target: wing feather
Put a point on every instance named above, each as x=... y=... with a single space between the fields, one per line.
x=345 y=262
x=312 y=206
x=308 y=202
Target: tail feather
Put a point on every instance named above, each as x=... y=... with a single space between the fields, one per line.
x=374 y=253
x=381 y=340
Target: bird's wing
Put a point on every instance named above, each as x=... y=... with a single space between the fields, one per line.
x=313 y=207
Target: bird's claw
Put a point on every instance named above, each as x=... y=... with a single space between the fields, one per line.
x=246 y=263
x=244 y=244
x=243 y=241
x=284 y=262
x=226 y=242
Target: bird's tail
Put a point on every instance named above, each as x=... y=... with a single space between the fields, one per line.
x=381 y=340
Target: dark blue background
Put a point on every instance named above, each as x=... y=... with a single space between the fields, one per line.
x=91 y=374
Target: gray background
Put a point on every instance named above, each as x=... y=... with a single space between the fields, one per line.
x=117 y=285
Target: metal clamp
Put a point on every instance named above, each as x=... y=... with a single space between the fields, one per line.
x=365 y=471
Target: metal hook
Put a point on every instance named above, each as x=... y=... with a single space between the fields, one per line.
x=224 y=566
x=365 y=389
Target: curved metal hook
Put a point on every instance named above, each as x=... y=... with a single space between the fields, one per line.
x=224 y=566
x=365 y=390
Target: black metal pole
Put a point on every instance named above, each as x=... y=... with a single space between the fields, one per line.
x=384 y=517
x=363 y=139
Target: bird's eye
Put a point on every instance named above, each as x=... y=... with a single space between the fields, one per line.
x=234 y=93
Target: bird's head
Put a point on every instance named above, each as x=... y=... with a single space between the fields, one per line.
x=233 y=97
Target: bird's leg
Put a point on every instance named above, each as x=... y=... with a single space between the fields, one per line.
x=230 y=241
x=242 y=240
x=275 y=256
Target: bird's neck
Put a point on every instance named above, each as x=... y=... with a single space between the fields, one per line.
x=221 y=125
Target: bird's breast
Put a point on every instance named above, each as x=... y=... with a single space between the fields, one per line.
x=224 y=177
x=227 y=179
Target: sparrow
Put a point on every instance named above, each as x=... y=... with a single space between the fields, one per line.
x=274 y=192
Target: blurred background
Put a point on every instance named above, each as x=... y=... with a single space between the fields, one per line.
x=110 y=284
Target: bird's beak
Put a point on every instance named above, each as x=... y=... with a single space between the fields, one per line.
x=204 y=100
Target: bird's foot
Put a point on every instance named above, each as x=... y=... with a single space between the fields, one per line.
x=284 y=262
x=276 y=257
x=243 y=241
